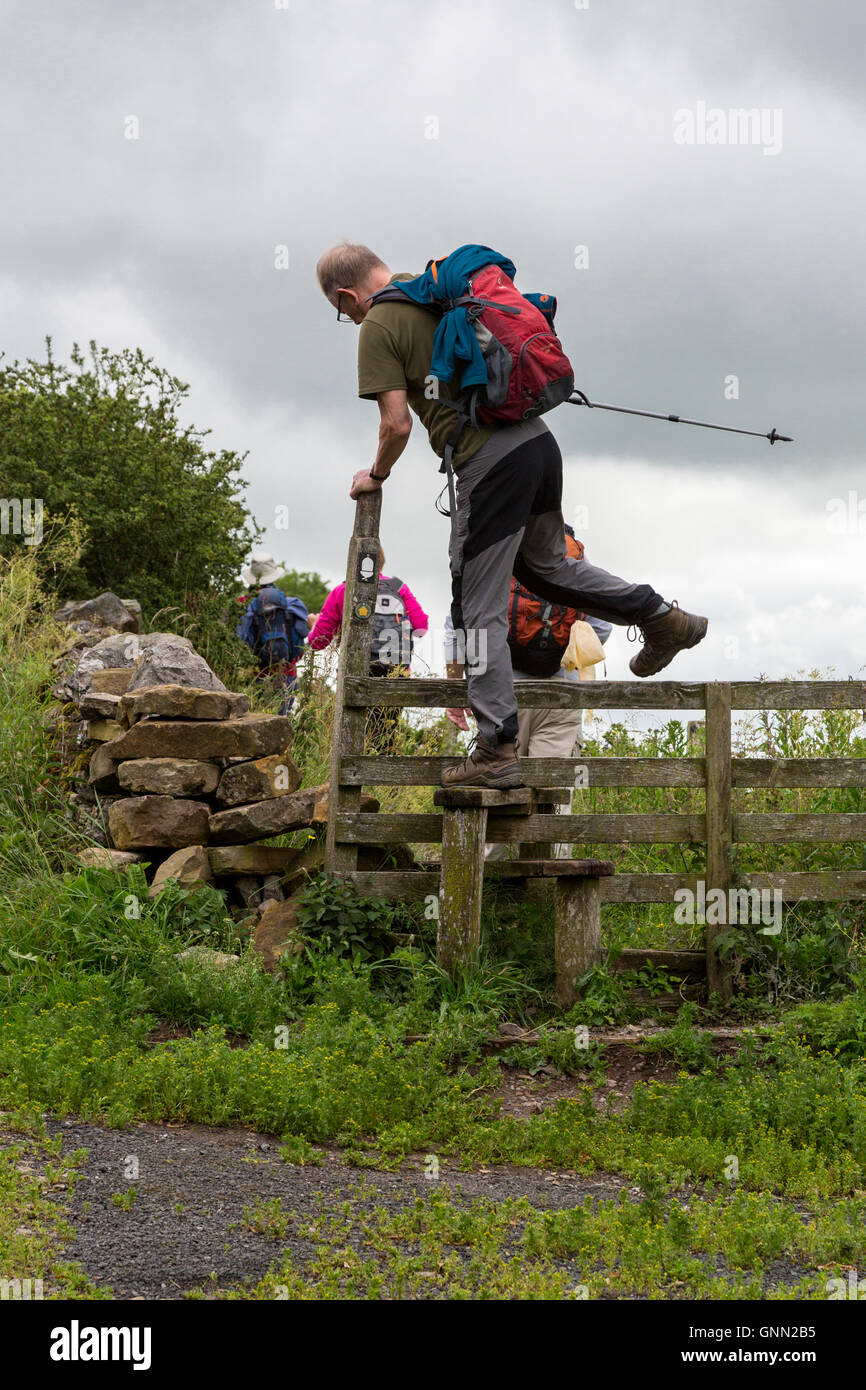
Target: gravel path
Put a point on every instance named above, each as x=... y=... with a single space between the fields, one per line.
x=193 y=1183
x=186 y=1228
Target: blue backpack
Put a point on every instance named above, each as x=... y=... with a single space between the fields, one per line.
x=274 y=626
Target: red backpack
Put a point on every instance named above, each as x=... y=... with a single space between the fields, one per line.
x=527 y=372
x=538 y=630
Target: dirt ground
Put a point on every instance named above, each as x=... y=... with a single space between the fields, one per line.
x=522 y=1094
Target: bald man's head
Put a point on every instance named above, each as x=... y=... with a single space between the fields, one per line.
x=348 y=274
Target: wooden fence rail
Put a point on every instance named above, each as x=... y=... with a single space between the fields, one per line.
x=772 y=773
x=718 y=827
x=664 y=695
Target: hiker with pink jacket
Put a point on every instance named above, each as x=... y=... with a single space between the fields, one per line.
x=398 y=620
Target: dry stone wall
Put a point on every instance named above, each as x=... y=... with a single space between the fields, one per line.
x=173 y=770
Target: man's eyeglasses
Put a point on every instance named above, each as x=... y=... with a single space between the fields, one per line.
x=341 y=317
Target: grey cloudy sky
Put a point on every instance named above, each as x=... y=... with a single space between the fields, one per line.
x=261 y=126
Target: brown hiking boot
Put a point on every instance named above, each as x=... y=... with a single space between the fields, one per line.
x=664 y=636
x=493 y=765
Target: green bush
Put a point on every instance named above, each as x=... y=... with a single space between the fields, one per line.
x=837 y=1027
x=334 y=916
x=101 y=439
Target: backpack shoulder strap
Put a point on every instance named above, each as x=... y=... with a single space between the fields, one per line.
x=515 y=599
x=245 y=627
x=391 y=585
x=392 y=293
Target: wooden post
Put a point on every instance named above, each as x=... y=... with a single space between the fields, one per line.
x=544 y=849
x=719 y=825
x=577 y=918
x=350 y=721
x=464 y=830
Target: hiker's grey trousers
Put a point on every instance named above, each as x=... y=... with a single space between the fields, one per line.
x=509 y=521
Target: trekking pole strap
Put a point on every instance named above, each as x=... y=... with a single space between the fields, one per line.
x=447 y=468
x=452 y=508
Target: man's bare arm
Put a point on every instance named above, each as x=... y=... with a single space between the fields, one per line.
x=395 y=426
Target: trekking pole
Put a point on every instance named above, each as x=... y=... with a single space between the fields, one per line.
x=579 y=398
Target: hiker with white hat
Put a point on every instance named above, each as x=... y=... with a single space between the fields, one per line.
x=273 y=625
x=262 y=569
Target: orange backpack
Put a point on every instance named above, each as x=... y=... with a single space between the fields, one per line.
x=538 y=630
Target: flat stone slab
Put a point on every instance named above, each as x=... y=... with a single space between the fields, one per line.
x=514 y=799
x=253 y=735
x=259 y=821
x=258 y=781
x=168 y=776
x=181 y=702
x=102 y=730
x=548 y=868
x=157 y=822
x=251 y=859
x=97 y=704
x=262 y=819
x=114 y=680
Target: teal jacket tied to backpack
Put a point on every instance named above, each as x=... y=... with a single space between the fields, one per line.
x=440 y=288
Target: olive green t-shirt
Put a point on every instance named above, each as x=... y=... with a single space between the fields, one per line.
x=395 y=349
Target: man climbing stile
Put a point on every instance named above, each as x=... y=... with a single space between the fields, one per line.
x=506 y=511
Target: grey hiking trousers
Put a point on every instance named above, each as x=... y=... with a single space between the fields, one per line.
x=509 y=521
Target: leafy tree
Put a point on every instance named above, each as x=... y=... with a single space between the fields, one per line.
x=306 y=585
x=164 y=518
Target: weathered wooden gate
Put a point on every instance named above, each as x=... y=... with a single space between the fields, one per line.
x=719 y=828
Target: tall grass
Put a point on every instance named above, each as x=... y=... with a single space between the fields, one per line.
x=35 y=830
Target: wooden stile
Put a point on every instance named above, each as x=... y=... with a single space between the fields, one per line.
x=463 y=829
